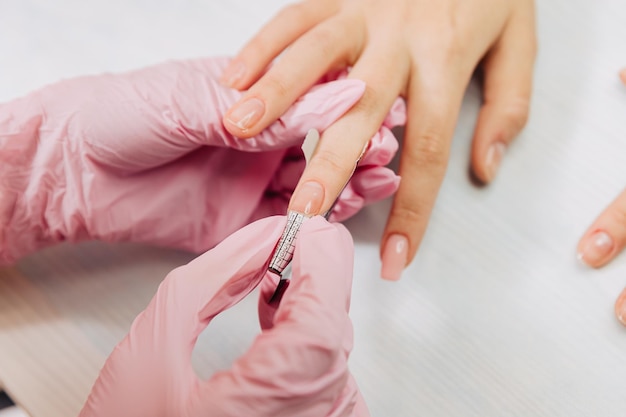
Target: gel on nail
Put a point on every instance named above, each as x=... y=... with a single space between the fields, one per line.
x=246 y=114
x=394 y=257
x=308 y=198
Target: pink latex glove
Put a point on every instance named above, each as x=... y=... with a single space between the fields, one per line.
x=143 y=156
x=296 y=367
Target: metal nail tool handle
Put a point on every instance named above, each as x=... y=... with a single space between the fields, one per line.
x=283 y=254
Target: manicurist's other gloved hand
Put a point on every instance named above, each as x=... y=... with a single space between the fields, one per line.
x=297 y=365
x=143 y=156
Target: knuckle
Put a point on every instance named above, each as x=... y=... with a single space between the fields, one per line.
x=260 y=46
x=370 y=98
x=316 y=347
x=407 y=215
x=276 y=86
x=453 y=47
x=452 y=42
x=329 y=161
x=372 y=103
x=325 y=40
x=429 y=149
x=293 y=13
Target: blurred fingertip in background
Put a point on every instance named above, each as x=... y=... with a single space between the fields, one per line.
x=620 y=308
x=622 y=75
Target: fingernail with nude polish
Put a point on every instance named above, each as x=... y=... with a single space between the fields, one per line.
x=245 y=115
x=493 y=158
x=596 y=249
x=394 y=257
x=620 y=308
x=308 y=198
x=233 y=73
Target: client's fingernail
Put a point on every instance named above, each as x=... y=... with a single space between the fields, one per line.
x=233 y=73
x=596 y=249
x=493 y=159
x=394 y=257
x=620 y=308
x=244 y=115
x=308 y=198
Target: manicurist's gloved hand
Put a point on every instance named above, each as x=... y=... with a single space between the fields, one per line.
x=296 y=367
x=606 y=238
x=143 y=156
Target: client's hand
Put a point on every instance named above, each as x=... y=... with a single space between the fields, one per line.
x=296 y=367
x=143 y=156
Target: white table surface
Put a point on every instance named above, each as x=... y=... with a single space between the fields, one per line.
x=495 y=317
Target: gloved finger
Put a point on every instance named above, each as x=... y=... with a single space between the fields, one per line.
x=298 y=367
x=350 y=399
x=267 y=309
x=154 y=360
x=318 y=298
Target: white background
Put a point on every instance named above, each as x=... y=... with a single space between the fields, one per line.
x=495 y=317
